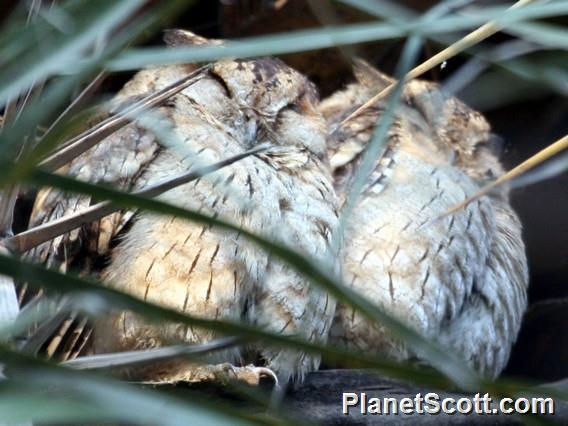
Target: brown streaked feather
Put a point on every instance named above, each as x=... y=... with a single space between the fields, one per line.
x=119 y=160
x=461 y=280
x=201 y=270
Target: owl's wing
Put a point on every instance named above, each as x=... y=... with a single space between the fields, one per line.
x=418 y=269
x=488 y=327
x=120 y=161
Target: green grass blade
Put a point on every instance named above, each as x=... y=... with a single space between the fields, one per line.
x=30 y=238
x=92 y=297
x=37 y=390
x=60 y=51
x=89 y=294
x=44 y=110
x=299 y=41
x=314 y=272
x=545 y=34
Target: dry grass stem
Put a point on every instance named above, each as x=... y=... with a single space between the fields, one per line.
x=86 y=92
x=91 y=137
x=150 y=355
x=540 y=157
x=469 y=40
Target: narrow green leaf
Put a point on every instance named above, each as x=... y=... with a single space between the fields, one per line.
x=376 y=145
x=33 y=237
x=299 y=41
x=100 y=296
x=38 y=391
x=90 y=296
x=58 y=52
x=545 y=34
x=45 y=108
x=314 y=272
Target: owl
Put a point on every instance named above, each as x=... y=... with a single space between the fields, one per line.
x=284 y=194
x=460 y=280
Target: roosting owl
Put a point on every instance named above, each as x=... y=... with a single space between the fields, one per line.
x=285 y=194
x=460 y=280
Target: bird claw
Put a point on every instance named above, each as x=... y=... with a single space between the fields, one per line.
x=249 y=374
x=219 y=373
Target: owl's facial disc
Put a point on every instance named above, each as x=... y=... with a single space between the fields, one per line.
x=282 y=100
x=263 y=85
x=461 y=131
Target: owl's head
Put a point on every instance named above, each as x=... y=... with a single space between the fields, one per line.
x=281 y=100
x=279 y=103
x=444 y=123
x=461 y=131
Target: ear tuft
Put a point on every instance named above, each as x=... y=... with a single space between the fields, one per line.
x=177 y=38
x=369 y=76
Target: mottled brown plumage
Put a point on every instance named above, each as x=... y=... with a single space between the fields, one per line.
x=284 y=194
x=460 y=280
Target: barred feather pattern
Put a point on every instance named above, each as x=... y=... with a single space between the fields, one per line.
x=286 y=194
x=460 y=280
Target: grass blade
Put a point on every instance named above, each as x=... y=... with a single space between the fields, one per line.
x=84 y=24
x=304 y=40
x=94 y=294
x=87 y=91
x=306 y=267
x=122 y=359
x=376 y=145
x=541 y=156
x=464 y=43
x=91 y=137
x=33 y=237
x=88 y=295
x=545 y=34
x=9 y=307
x=40 y=391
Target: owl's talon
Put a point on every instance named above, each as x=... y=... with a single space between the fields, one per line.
x=265 y=372
x=249 y=374
x=216 y=373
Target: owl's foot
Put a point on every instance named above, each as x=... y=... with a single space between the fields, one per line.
x=223 y=373
x=220 y=373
